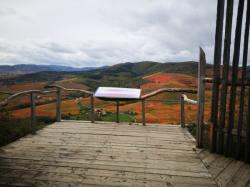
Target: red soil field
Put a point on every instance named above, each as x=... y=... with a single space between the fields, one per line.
x=156 y=112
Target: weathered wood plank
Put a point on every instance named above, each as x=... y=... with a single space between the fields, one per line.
x=182 y=111
x=243 y=78
x=216 y=72
x=224 y=81
x=143 y=112
x=109 y=154
x=235 y=67
x=226 y=172
x=201 y=99
x=32 y=112
x=58 y=105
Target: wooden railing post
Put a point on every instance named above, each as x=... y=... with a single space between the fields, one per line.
x=92 y=117
x=247 y=145
x=216 y=72
x=117 y=112
x=32 y=112
x=243 y=87
x=201 y=99
x=58 y=105
x=182 y=111
x=143 y=112
x=224 y=80
x=233 y=91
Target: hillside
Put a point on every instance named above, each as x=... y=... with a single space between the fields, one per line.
x=121 y=75
x=147 y=75
x=20 y=69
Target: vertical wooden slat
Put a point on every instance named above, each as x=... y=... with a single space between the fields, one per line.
x=216 y=70
x=32 y=112
x=236 y=57
x=247 y=144
x=58 y=105
x=117 y=112
x=182 y=111
x=143 y=112
x=243 y=77
x=224 y=83
x=92 y=116
x=201 y=99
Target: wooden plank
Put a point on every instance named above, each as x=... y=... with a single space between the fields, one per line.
x=226 y=176
x=143 y=112
x=216 y=72
x=64 y=154
x=58 y=105
x=226 y=171
x=243 y=77
x=238 y=83
x=224 y=81
x=242 y=178
x=219 y=165
x=92 y=109
x=117 y=112
x=32 y=112
x=247 y=144
x=237 y=45
x=175 y=90
x=201 y=99
x=182 y=111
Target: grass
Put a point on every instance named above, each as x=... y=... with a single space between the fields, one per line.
x=12 y=129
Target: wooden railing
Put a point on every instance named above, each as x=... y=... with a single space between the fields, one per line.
x=32 y=93
x=183 y=99
x=169 y=90
x=58 y=92
x=59 y=100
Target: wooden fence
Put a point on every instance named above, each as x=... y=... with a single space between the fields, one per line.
x=228 y=134
x=59 y=89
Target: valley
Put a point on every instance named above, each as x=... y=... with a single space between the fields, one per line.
x=148 y=76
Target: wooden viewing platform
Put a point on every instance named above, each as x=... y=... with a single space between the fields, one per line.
x=77 y=153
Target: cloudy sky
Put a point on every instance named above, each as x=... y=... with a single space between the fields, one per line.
x=104 y=32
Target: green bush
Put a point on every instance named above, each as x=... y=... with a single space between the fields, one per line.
x=11 y=129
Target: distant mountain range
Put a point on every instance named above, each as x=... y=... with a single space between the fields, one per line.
x=124 y=71
x=33 y=68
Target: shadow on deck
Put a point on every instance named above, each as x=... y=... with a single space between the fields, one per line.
x=74 y=153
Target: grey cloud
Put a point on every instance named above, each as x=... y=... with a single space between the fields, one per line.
x=94 y=33
x=7 y=12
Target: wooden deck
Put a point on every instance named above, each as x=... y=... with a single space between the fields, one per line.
x=227 y=172
x=74 y=153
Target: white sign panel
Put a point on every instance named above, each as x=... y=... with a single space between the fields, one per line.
x=119 y=93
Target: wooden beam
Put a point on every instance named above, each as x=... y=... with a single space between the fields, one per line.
x=237 y=42
x=243 y=77
x=117 y=112
x=201 y=99
x=58 y=105
x=224 y=81
x=68 y=89
x=238 y=83
x=216 y=69
x=92 y=109
x=182 y=111
x=32 y=112
x=143 y=112
x=247 y=144
x=15 y=95
x=175 y=90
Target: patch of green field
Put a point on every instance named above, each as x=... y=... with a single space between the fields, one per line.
x=122 y=117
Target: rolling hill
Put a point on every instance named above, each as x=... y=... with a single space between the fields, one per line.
x=20 y=69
